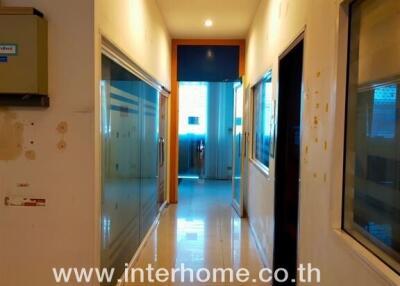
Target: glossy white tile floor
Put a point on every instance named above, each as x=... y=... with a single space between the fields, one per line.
x=201 y=231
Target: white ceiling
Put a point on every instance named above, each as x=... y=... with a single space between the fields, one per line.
x=185 y=18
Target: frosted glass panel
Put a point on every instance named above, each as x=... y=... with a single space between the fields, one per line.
x=149 y=151
x=192 y=128
x=238 y=144
x=193 y=108
x=129 y=128
x=205 y=129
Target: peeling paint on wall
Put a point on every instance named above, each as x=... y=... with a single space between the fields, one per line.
x=315 y=121
x=30 y=155
x=15 y=201
x=23 y=185
x=62 y=127
x=11 y=135
x=61 y=145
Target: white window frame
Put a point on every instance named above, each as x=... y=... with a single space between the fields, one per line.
x=338 y=147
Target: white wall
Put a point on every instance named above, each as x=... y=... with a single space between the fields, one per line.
x=66 y=232
x=34 y=239
x=276 y=25
x=137 y=27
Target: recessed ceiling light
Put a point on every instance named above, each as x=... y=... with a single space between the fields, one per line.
x=208 y=23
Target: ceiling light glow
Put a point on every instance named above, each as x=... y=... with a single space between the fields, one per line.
x=208 y=23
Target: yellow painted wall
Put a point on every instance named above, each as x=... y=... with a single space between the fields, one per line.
x=137 y=27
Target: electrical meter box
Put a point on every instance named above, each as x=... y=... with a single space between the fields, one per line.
x=23 y=57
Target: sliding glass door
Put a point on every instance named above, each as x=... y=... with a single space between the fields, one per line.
x=239 y=149
x=130 y=138
x=148 y=157
x=162 y=151
x=205 y=130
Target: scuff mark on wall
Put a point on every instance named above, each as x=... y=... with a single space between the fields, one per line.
x=315 y=121
x=30 y=155
x=23 y=185
x=62 y=145
x=62 y=128
x=11 y=135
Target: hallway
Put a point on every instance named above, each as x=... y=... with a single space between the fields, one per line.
x=229 y=142
x=202 y=230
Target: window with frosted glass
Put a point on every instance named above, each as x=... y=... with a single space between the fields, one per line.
x=193 y=108
x=129 y=164
x=262 y=112
x=372 y=147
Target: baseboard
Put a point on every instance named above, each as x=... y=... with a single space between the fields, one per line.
x=264 y=259
x=143 y=243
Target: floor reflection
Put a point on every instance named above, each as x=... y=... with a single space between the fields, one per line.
x=203 y=230
x=190 y=240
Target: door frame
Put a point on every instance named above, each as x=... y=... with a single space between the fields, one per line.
x=300 y=37
x=174 y=102
x=239 y=206
x=165 y=155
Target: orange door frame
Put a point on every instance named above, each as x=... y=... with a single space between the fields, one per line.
x=174 y=128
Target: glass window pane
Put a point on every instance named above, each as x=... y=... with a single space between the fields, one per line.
x=193 y=108
x=372 y=157
x=120 y=95
x=130 y=116
x=384 y=112
x=238 y=141
x=262 y=102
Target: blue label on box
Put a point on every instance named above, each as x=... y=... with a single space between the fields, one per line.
x=3 y=59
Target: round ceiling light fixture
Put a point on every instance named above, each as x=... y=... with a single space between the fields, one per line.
x=208 y=23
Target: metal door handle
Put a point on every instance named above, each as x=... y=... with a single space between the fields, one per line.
x=160 y=152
